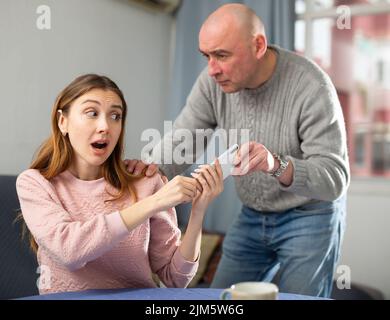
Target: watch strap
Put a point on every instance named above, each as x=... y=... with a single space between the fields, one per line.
x=283 y=163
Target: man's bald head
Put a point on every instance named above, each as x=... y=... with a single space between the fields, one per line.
x=236 y=18
x=234 y=42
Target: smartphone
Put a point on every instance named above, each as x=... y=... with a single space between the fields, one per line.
x=226 y=160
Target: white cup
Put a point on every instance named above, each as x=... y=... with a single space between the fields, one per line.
x=251 y=291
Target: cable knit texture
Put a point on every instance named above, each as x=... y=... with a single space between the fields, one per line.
x=84 y=243
x=295 y=113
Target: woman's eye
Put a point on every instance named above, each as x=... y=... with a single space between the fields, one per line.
x=116 y=116
x=91 y=114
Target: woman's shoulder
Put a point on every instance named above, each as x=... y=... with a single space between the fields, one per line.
x=32 y=180
x=29 y=175
x=148 y=185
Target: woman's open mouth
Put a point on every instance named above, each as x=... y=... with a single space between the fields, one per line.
x=99 y=147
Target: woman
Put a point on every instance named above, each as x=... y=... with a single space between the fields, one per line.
x=93 y=224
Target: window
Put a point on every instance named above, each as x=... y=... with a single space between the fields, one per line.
x=350 y=40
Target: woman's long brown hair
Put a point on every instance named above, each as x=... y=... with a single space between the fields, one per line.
x=55 y=154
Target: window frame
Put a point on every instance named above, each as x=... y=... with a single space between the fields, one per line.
x=312 y=14
x=368 y=186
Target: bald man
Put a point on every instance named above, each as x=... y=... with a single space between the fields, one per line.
x=296 y=174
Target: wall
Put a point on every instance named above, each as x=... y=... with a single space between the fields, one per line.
x=111 y=37
x=367 y=238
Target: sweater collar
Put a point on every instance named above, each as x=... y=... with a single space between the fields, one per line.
x=69 y=177
x=274 y=77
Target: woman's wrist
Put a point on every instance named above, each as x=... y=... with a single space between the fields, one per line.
x=201 y=206
x=156 y=202
x=137 y=213
x=198 y=214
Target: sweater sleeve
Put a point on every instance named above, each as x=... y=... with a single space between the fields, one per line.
x=323 y=173
x=195 y=123
x=70 y=243
x=165 y=257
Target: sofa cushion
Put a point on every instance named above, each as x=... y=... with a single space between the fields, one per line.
x=18 y=264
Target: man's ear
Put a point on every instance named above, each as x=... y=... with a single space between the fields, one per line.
x=260 y=45
x=62 y=123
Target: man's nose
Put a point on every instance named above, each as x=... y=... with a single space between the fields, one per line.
x=213 y=68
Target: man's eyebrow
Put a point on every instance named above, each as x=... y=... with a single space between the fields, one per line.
x=115 y=106
x=218 y=51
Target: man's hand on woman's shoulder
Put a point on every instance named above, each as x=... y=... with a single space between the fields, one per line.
x=137 y=166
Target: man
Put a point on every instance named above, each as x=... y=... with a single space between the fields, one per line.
x=293 y=186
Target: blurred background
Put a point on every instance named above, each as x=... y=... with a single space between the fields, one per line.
x=150 y=49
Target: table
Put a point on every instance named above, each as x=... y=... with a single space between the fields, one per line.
x=151 y=294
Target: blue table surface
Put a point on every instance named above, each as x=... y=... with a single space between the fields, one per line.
x=150 y=294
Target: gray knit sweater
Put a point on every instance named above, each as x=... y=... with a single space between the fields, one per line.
x=296 y=113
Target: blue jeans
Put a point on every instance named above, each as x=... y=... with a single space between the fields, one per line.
x=300 y=245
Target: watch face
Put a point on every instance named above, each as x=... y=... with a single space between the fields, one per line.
x=283 y=163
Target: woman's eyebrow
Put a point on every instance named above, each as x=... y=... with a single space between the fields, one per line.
x=90 y=100
x=115 y=106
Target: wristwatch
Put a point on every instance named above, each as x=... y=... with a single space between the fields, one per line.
x=283 y=163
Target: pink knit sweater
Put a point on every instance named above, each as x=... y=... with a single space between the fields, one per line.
x=84 y=243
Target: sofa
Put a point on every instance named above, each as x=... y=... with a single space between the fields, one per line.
x=18 y=264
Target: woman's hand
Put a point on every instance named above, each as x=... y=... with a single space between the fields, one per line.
x=211 y=179
x=179 y=190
